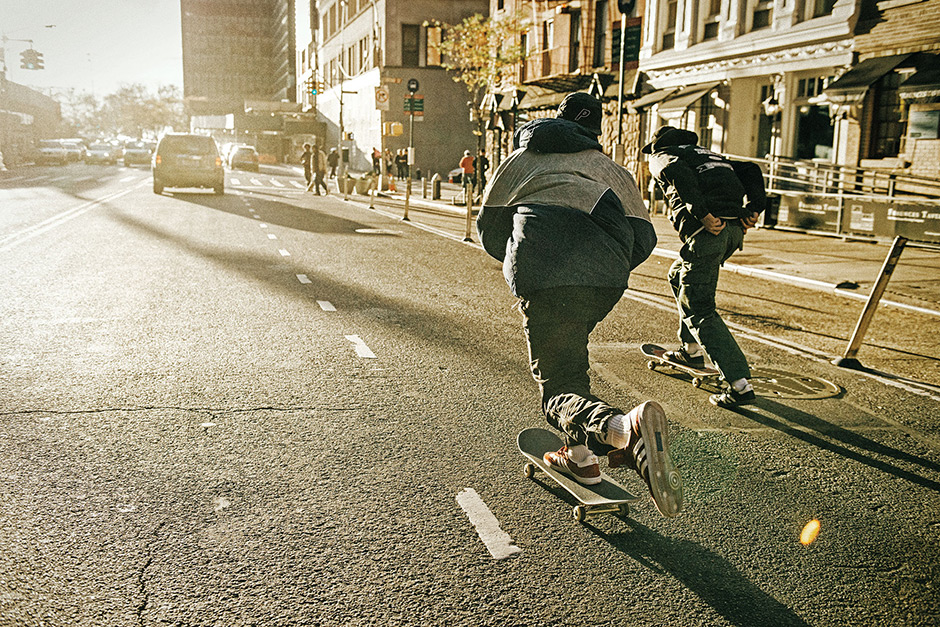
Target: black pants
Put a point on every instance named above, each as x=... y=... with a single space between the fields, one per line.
x=557 y=323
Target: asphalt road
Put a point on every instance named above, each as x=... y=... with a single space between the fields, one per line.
x=261 y=409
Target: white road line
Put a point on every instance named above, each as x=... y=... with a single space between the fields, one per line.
x=235 y=181
x=298 y=185
x=284 y=253
x=49 y=223
x=272 y=236
x=257 y=182
x=326 y=305
x=361 y=349
x=127 y=178
x=497 y=541
x=276 y=183
x=263 y=225
x=303 y=279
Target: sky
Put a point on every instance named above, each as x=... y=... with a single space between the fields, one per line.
x=94 y=46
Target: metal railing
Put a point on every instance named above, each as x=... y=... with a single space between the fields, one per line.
x=819 y=178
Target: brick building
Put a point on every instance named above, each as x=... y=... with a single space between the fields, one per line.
x=887 y=105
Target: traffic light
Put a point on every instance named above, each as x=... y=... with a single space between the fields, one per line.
x=30 y=59
x=313 y=87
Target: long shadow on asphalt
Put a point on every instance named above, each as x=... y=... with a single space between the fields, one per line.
x=449 y=332
x=795 y=423
x=705 y=573
x=280 y=214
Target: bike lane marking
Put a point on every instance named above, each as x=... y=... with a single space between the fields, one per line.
x=497 y=541
x=361 y=349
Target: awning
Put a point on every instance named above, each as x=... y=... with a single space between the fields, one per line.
x=923 y=87
x=678 y=104
x=850 y=88
x=613 y=90
x=537 y=97
x=650 y=99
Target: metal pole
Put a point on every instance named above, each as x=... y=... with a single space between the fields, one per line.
x=411 y=137
x=623 y=33
x=891 y=261
x=468 y=192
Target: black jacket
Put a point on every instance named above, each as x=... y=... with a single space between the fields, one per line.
x=698 y=182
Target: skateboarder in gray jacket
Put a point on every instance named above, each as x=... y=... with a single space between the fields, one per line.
x=569 y=226
x=706 y=194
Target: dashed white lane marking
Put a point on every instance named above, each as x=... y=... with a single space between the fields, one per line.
x=284 y=253
x=272 y=236
x=361 y=349
x=326 y=305
x=276 y=183
x=303 y=279
x=298 y=185
x=235 y=181
x=497 y=541
x=263 y=225
x=256 y=182
x=126 y=179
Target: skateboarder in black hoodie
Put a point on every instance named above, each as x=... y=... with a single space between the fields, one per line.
x=569 y=225
x=713 y=201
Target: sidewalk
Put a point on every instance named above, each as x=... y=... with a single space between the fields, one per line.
x=830 y=264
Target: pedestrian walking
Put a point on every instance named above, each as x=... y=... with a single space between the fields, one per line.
x=305 y=161
x=481 y=165
x=318 y=165
x=569 y=225
x=332 y=160
x=467 y=170
x=713 y=201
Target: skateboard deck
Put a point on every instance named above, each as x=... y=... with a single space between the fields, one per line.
x=607 y=497
x=699 y=375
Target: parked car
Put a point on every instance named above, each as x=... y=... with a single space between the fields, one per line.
x=51 y=151
x=187 y=160
x=102 y=152
x=74 y=151
x=137 y=152
x=243 y=158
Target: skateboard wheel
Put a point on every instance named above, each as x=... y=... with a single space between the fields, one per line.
x=651 y=365
x=696 y=383
x=624 y=510
x=528 y=470
x=580 y=513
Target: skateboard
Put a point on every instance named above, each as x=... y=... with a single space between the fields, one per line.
x=656 y=359
x=607 y=497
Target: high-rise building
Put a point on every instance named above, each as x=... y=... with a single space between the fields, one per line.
x=236 y=50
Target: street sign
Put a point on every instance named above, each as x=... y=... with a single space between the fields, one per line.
x=412 y=85
x=381 y=98
x=414 y=105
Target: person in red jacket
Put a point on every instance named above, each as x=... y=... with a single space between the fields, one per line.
x=466 y=165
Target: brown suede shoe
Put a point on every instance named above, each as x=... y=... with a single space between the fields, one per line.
x=587 y=472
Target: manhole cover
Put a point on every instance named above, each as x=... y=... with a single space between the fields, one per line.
x=773 y=383
x=377 y=232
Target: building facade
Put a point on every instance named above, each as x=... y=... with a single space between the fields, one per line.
x=360 y=56
x=239 y=72
x=569 y=46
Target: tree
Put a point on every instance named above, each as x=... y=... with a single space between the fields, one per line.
x=484 y=54
x=131 y=110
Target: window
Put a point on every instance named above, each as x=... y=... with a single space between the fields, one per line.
x=888 y=123
x=672 y=16
x=763 y=15
x=434 y=36
x=823 y=7
x=712 y=11
x=410 y=35
x=600 y=33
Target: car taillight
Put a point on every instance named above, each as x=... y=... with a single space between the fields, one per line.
x=218 y=162
x=157 y=160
